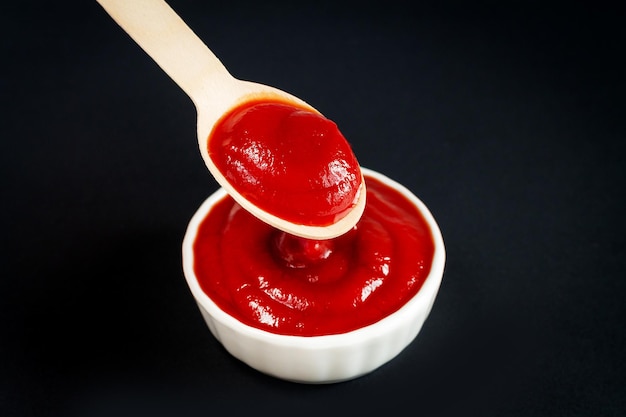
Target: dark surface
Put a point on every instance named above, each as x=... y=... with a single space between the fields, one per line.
x=507 y=121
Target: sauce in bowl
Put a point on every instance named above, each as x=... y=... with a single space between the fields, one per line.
x=288 y=285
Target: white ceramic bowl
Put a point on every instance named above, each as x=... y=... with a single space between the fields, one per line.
x=319 y=359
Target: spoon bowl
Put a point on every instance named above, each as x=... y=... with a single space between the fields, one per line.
x=165 y=37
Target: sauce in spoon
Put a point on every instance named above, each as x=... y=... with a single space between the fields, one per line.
x=288 y=161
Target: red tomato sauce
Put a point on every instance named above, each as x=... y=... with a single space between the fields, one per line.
x=290 y=162
x=289 y=285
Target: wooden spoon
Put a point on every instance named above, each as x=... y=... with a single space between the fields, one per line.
x=191 y=64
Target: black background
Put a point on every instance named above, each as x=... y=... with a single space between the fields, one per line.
x=506 y=119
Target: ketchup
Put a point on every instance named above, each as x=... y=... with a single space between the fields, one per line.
x=289 y=161
x=294 y=286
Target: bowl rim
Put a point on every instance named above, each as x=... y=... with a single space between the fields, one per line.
x=404 y=314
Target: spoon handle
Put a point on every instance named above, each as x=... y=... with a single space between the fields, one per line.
x=165 y=37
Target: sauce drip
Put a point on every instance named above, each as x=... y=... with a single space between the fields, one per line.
x=288 y=161
x=293 y=286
